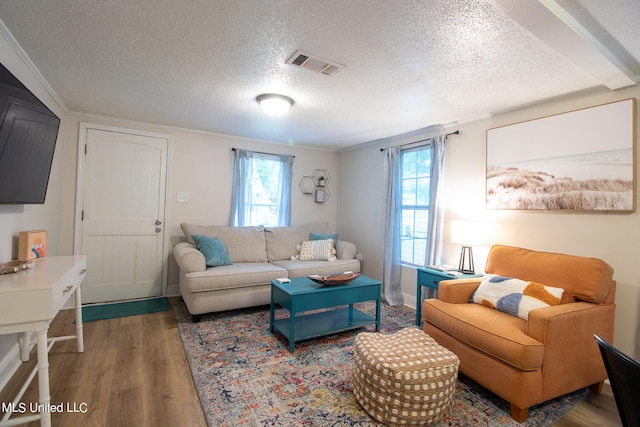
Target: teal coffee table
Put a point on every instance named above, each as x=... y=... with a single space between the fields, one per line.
x=302 y=295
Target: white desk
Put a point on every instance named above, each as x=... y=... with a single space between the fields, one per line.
x=29 y=300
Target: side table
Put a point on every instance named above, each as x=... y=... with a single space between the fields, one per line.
x=29 y=300
x=430 y=278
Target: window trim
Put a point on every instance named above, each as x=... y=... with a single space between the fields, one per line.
x=412 y=207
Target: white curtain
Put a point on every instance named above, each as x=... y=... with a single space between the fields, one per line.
x=391 y=267
x=435 y=225
x=241 y=187
x=286 y=176
x=391 y=263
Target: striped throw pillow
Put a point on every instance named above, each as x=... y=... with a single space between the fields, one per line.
x=316 y=250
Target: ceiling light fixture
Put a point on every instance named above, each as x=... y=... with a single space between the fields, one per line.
x=273 y=104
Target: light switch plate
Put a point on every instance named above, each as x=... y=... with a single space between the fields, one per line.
x=183 y=197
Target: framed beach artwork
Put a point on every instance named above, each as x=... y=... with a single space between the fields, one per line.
x=582 y=160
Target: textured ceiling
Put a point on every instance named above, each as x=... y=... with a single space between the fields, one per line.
x=199 y=64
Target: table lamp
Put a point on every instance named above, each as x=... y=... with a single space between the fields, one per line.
x=468 y=234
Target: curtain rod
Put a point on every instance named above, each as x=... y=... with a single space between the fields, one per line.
x=422 y=140
x=262 y=152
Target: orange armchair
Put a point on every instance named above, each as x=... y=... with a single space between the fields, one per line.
x=527 y=362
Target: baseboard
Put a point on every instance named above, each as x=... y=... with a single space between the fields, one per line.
x=9 y=364
x=409 y=300
x=173 y=291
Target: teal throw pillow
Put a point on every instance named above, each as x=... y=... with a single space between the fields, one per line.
x=213 y=250
x=324 y=236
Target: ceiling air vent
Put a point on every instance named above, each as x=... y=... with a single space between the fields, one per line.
x=313 y=63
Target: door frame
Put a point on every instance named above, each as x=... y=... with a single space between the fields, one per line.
x=82 y=140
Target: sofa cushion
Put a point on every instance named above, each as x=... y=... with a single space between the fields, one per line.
x=248 y=274
x=499 y=334
x=514 y=296
x=322 y=268
x=213 y=250
x=316 y=250
x=583 y=279
x=282 y=242
x=244 y=244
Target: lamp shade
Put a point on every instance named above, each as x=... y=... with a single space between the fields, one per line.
x=273 y=104
x=468 y=234
x=471 y=233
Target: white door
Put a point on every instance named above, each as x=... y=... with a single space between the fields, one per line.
x=122 y=213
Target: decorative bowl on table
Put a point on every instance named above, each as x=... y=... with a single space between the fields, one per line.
x=335 y=279
x=14 y=266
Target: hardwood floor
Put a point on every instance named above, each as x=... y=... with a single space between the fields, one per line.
x=594 y=410
x=134 y=373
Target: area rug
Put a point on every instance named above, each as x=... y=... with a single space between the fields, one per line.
x=91 y=313
x=246 y=376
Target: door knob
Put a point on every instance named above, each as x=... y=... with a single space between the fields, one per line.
x=158 y=229
x=158 y=221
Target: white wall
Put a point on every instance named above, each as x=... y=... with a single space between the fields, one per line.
x=614 y=238
x=16 y=218
x=201 y=164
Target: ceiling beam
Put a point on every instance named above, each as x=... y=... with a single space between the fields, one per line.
x=554 y=25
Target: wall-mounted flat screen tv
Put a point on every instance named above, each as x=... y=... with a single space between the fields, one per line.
x=28 y=133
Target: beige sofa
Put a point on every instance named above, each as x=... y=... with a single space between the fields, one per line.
x=258 y=255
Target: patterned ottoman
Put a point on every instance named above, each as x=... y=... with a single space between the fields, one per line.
x=404 y=378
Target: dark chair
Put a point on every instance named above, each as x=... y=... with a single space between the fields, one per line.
x=624 y=376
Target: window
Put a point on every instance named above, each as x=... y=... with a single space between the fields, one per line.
x=261 y=189
x=415 y=176
x=265 y=198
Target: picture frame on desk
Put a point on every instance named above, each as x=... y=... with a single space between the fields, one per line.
x=32 y=245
